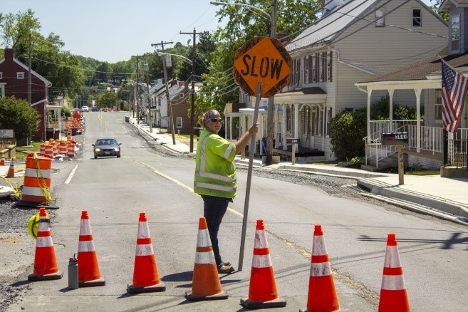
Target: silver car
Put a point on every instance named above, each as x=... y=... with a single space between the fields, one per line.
x=106 y=147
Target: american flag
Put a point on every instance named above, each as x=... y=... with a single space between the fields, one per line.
x=454 y=87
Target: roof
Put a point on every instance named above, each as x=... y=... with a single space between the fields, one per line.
x=447 y=4
x=46 y=82
x=331 y=25
x=421 y=70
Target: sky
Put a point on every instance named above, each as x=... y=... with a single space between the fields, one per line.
x=114 y=30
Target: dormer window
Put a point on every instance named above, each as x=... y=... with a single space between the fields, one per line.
x=19 y=75
x=417 y=19
x=455 y=33
x=379 y=18
x=1 y=75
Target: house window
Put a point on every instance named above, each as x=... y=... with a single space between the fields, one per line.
x=181 y=95
x=179 y=122
x=298 y=72
x=438 y=105
x=317 y=67
x=20 y=75
x=2 y=91
x=311 y=69
x=1 y=75
x=417 y=22
x=379 y=18
x=306 y=70
x=455 y=33
x=324 y=67
x=330 y=66
x=329 y=118
x=288 y=119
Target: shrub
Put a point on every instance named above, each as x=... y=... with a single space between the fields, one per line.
x=347 y=131
x=16 y=114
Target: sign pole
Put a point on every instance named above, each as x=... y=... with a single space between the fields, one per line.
x=249 y=179
x=293 y=154
x=401 y=166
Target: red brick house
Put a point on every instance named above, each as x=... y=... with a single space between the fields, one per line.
x=14 y=82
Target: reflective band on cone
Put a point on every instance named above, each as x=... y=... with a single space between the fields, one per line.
x=36 y=177
x=88 y=267
x=393 y=296
x=145 y=273
x=322 y=294
x=205 y=282
x=262 y=289
x=45 y=262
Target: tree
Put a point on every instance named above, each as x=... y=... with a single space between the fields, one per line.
x=18 y=115
x=347 y=130
x=106 y=99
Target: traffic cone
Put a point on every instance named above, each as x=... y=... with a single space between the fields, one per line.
x=88 y=267
x=393 y=295
x=2 y=161
x=322 y=294
x=11 y=170
x=45 y=263
x=145 y=273
x=205 y=282
x=262 y=289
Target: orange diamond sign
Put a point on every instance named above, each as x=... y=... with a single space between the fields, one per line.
x=265 y=60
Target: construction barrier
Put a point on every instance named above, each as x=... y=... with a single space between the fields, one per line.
x=393 y=296
x=205 y=282
x=322 y=294
x=262 y=288
x=63 y=148
x=37 y=179
x=71 y=149
x=88 y=267
x=145 y=272
x=45 y=262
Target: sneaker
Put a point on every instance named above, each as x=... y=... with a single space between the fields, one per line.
x=225 y=268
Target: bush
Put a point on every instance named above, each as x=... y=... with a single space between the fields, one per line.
x=16 y=114
x=347 y=131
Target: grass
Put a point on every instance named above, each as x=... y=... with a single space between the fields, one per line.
x=423 y=172
x=23 y=151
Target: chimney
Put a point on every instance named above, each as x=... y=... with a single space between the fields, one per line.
x=9 y=54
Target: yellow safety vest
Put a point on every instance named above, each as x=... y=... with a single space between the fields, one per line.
x=215 y=172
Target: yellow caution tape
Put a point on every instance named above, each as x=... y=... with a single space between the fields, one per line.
x=33 y=224
x=14 y=185
x=42 y=184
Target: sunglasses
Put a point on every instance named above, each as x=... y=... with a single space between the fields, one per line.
x=216 y=120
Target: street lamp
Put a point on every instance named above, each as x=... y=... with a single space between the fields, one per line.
x=271 y=100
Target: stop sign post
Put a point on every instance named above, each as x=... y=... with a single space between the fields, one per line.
x=261 y=68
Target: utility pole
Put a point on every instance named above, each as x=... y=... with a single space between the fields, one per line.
x=29 y=71
x=167 y=88
x=148 y=97
x=271 y=100
x=137 y=93
x=192 y=109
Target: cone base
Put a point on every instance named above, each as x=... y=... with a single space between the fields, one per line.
x=305 y=310
x=277 y=303
x=97 y=282
x=28 y=204
x=139 y=289
x=45 y=277
x=220 y=296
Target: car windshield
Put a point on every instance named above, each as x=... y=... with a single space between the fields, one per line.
x=105 y=142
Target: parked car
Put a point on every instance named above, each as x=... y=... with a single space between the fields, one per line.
x=106 y=147
x=94 y=109
x=84 y=108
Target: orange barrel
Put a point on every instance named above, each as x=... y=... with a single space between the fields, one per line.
x=55 y=148
x=63 y=148
x=71 y=149
x=33 y=180
x=49 y=150
x=43 y=148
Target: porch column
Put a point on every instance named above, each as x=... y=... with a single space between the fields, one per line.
x=296 y=120
x=275 y=120
x=390 y=113
x=324 y=124
x=369 y=93
x=230 y=128
x=283 y=130
x=225 y=127
x=418 y=119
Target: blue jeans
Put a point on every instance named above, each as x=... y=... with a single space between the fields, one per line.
x=214 y=210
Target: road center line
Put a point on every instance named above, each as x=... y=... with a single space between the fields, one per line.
x=70 y=176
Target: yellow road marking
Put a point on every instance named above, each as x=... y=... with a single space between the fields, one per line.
x=102 y=122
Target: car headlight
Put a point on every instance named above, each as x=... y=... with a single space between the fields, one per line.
x=116 y=149
x=97 y=149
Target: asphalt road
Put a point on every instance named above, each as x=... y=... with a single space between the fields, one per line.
x=115 y=190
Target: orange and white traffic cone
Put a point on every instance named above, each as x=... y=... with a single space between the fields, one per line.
x=45 y=263
x=262 y=289
x=88 y=267
x=205 y=282
x=11 y=170
x=2 y=161
x=393 y=295
x=145 y=273
x=322 y=294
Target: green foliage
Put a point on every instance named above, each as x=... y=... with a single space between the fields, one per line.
x=347 y=130
x=106 y=99
x=380 y=110
x=18 y=115
x=66 y=112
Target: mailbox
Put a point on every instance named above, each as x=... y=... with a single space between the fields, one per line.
x=292 y=140
x=395 y=138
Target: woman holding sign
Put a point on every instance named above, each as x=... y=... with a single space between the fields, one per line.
x=215 y=175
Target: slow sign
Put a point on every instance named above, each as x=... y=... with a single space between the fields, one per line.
x=265 y=60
